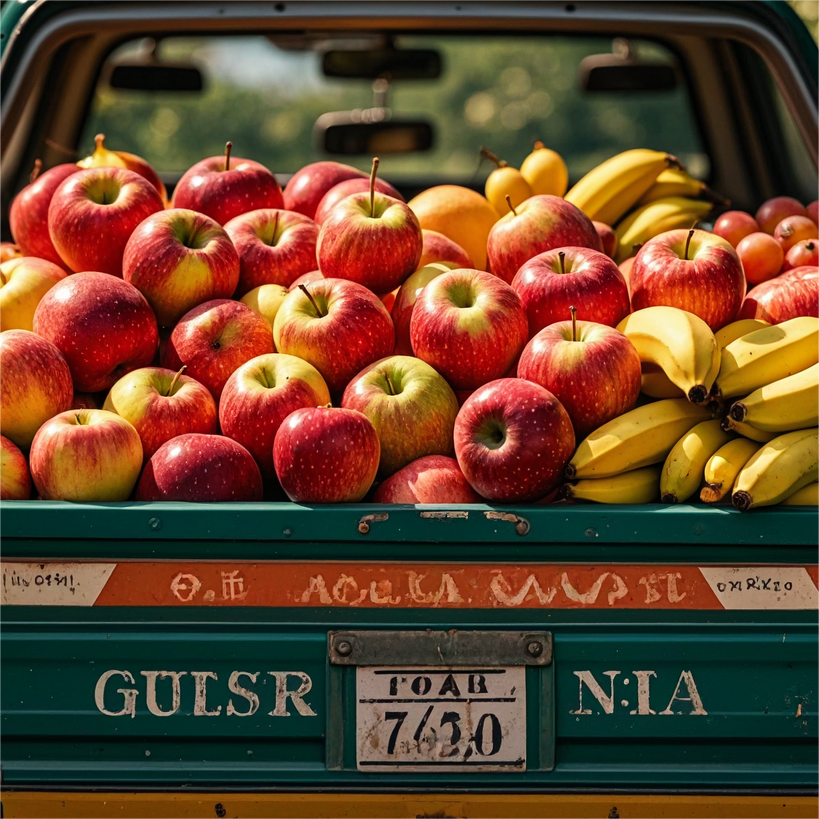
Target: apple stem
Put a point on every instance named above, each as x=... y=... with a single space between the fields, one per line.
x=303 y=288
x=79 y=420
x=509 y=202
x=562 y=256
x=487 y=154
x=275 y=228
x=372 y=186
x=98 y=140
x=175 y=379
x=228 y=149
x=38 y=166
x=688 y=241
x=573 y=311
x=2 y=279
x=389 y=384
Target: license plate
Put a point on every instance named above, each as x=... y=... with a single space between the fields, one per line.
x=432 y=718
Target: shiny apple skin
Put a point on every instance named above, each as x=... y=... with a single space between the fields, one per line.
x=178 y=259
x=512 y=440
x=23 y=283
x=440 y=248
x=410 y=405
x=801 y=254
x=405 y=302
x=214 y=339
x=308 y=185
x=274 y=247
x=202 y=469
x=15 y=479
x=709 y=283
x=791 y=294
x=102 y=325
x=326 y=455
x=86 y=456
x=541 y=223
x=266 y=301
x=608 y=238
x=735 y=225
x=222 y=194
x=596 y=377
x=90 y=233
x=347 y=188
x=592 y=283
x=772 y=211
x=28 y=216
x=260 y=395
x=431 y=479
x=144 y=398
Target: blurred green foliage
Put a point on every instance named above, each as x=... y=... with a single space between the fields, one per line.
x=808 y=10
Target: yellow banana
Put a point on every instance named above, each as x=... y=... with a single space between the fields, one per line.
x=678 y=342
x=674 y=182
x=635 y=486
x=766 y=355
x=747 y=431
x=640 y=437
x=656 y=384
x=655 y=218
x=737 y=329
x=806 y=496
x=723 y=466
x=611 y=189
x=784 y=405
x=684 y=467
x=780 y=468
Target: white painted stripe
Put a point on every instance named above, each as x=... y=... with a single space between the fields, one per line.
x=762 y=587
x=53 y=584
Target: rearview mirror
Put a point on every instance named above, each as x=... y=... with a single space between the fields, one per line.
x=625 y=76
x=417 y=64
x=155 y=77
x=348 y=132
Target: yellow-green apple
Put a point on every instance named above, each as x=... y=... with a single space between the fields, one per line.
x=260 y=395
x=591 y=368
x=691 y=269
x=274 y=247
x=469 y=325
x=793 y=229
x=512 y=440
x=93 y=214
x=326 y=455
x=342 y=190
x=772 y=211
x=541 y=223
x=802 y=253
x=23 y=282
x=102 y=325
x=791 y=294
x=440 y=248
x=215 y=339
x=9 y=251
x=35 y=384
x=266 y=301
x=28 y=216
x=15 y=479
x=178 y=259
x=308 y=185
x=86 y=456
x=336 y=325
x=307 y=278
x=162 y=404
x=608 y=238
x=735 y=225
x=407 y=296
x=202 y=469
x=552 y=282
x=431 y=479
x=410 y=405
x=223 y=187
x=370 y=238
x=104 y=158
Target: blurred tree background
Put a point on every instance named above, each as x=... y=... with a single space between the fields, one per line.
x=808 y=10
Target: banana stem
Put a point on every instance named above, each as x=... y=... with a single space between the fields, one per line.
x=303 y=288
x=688 y=241
x=38 y=166
x=372 y=186
x=509 y=202
x=228 y=149
x=175 y=379
x=573 y=310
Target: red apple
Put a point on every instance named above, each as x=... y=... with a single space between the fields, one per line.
x=23 y=282
x=761 y=256
x=812 y=211
x=592 y=369
x=625 y=268
x=336 y=325
x=735 y=225
x=102 y=325
x=512 y=440
x=326 y=455
x=440 y=248
x=791 y=294
x=223 y=187
x=773 y=211
x=410 y=405
x=86 y=456
x=801 y=254
x=342 y=190
x=307 y=278
x=608 y=238
x=84 y=400
x=260 y=395
x=178 y=259
x=690 y=269
x=214 y=339
x=431 y=479
x=15 y=480
x=307 y=186
x=469 y=325
x=93 y=214
x=266 y=301
x=161 y=404
x=406 y=298
x=539 y=224
x=200 y=468
x=28 y=217
x=552 y=282
x=388 y=299
x=274 y=246
x=795 y=229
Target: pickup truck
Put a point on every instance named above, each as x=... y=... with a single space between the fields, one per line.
x=282 y=659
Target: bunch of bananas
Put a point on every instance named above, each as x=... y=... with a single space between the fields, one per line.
x=642 y=193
